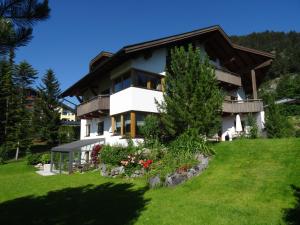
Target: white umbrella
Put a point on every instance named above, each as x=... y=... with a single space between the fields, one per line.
x=238 y=123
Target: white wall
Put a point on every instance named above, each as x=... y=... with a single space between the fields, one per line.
x=94 y=127
x=156 y=63
x=228 y=124
x=134 y=99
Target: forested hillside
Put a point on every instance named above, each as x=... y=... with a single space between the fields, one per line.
x=283 y=78
x=286 y=47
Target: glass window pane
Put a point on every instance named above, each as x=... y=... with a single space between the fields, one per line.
x=127 y=123
x=118 y=84
x=140 y=121
x=118 y=124
x=126 y=81
x=101 y=128
x=141 y=80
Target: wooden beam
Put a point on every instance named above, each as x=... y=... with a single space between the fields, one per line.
x=149 y=84
x=132 y=125
x=79 y=99
x=253 y=79
x=163 y=84
x=113 y=124
x=122 y=125
x=264 y=64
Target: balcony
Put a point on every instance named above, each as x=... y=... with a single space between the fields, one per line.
x=97 y=104
x=246 y=106
x=228 y=77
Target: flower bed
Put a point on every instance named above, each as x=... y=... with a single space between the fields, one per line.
x=160 y=166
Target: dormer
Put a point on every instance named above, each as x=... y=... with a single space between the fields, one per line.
x=99 y=59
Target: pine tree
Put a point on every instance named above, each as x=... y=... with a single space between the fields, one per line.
x=24 y=77
x=192 y=99
x=16 y=20
x=46 y=116
x=277 y=125
x=9 y=112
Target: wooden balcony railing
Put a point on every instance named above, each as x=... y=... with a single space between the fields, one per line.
x=96 y=104
x=245 y=106
x=228 y=77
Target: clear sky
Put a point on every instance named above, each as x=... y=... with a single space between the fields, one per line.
x=78 y=30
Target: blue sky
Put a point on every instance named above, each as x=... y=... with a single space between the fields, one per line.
x=78 y=30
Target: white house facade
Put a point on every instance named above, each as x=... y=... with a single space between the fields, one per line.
x=122 y=88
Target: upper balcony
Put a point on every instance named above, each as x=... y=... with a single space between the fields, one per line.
x=98 y=104
x=245 y=106
x=228 y=77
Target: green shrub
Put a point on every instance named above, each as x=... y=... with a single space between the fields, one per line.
x=151 y=130
x=33 y=159
x=45 y=158
x=253 y=128
x=66 y=134
x=115 y=154
x=170 y=162
x=297 y=133
x=3 y=153
x=191 y=142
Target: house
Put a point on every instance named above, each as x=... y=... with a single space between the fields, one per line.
x=66 y=113
x=30 y=97
x=120 y=88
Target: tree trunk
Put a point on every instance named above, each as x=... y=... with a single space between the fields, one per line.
x=17 y=151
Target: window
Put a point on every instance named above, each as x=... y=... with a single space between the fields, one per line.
x=87 y=130
x=127 y=123
x=101 y=128
x=149 y=81
x=126 y=80
x=141 y=80
x=140 y=121
x=118 y=84
x=118 y=124
x=122 y=82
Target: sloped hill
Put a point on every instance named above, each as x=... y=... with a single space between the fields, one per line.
x=248 y=182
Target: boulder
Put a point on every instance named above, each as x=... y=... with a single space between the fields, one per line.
x=154 y=182
x=176 y=179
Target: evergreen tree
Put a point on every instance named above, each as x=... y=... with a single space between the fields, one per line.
x=16 y=20
x=277 y=125
x=24 y=77
x=9 y=110
x=192 y=98
x=46 y=116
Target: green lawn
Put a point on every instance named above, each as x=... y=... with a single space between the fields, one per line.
x=248 y=182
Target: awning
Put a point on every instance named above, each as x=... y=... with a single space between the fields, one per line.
x=76 y=145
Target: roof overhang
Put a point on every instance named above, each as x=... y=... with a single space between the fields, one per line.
x=77 y=145
x=239 y=57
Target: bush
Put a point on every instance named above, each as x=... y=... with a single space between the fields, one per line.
x=171 y=162
x=66 y=134
x=95 y=155
x=191 y=142
x=253 y=130
x=151 y=130
x=3 y=153
x=114 y=154
x=45 y=158
x=33 y=159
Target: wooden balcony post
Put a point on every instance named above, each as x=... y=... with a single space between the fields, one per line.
x=253 y=78
x=149 y=84
x=113 y=124
x=122 y=125
x=132 y=125
x=163 y=83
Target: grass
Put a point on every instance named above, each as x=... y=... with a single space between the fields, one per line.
x=248 y=182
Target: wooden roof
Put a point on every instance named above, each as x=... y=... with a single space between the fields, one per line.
x=237 y=58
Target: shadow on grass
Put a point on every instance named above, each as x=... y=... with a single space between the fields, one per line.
x=292 y=215
x=104 y=204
